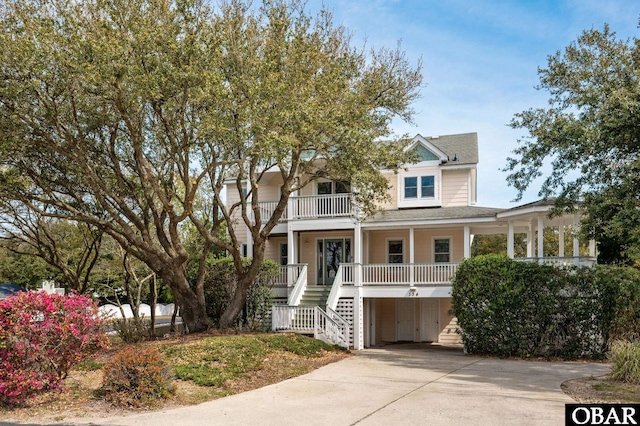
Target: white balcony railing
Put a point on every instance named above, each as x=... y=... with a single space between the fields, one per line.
x=288 y=275
x=319 y=206
x=561 y=261
x=398 y=274
x=266 y=211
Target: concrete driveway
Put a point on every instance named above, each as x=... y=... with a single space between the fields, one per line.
x=413 y=384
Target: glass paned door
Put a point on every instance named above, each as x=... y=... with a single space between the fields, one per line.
x=330 y=254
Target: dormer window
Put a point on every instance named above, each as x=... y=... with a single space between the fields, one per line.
x=426 y=189
x=420 y=188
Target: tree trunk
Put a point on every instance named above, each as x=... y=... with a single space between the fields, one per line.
x=192 y=310
x=245 y=279
x=238 y=301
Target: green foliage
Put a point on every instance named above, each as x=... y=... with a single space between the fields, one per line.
x=137 y=377
x=27 y=271
x=151 y=105
x=221 y=282
x=297 y=344
x=589 y=133
x=216 y=360
x=508 y=308
x=625 y=361
x=621 y=300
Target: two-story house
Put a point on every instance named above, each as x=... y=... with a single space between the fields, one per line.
x=387 y=277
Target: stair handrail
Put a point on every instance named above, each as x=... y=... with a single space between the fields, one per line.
x=299 y=288
x=345 y=325
x=330 y=328
x=336 y=289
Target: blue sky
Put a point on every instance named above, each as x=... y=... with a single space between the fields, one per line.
x=480 y=61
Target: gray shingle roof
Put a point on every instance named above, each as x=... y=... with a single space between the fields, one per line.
x=464 y=146
x=463 y=212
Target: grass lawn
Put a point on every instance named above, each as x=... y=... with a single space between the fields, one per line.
x=206 y=366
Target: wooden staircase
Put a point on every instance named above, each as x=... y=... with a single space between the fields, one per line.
x=312 y=316
x=315 y=296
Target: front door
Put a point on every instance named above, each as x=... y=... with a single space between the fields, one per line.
x=405 y=316
x=331 y=253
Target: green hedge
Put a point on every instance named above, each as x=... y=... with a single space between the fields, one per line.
x=508 y=308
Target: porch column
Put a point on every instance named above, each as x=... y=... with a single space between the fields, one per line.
x=357 y=252
x=358 y=320
x=561 y=239
x=592 y=248
x=540 y=237
x=510 y=238
x=249 y=243
x=365 y=246
x=530 y=240
x=467 y=242
x=292 y=246
x=412 y=256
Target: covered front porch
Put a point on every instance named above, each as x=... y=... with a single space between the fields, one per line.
x=411 y=255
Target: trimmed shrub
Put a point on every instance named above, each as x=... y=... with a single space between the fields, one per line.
x=137 y=377
x=42 y=336
x=508 y=308
x=621 y=301
x=221 y=282
x=625 y=361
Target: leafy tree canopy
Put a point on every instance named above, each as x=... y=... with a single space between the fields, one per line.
x=127 y=115
x=590 y=135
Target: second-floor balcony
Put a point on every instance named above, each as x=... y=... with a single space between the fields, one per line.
x=311 y=207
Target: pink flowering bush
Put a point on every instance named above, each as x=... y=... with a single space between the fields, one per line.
x=41 y=337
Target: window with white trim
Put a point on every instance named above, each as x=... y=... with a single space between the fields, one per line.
x=442 y=250
x=426 y=189
x=395 y=251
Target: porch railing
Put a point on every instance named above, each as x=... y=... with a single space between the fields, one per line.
x=319 y=206
x=331 y=326
x=288 y=275
x=327 y=326
x=561 y=261
x=267 y=208
x=400 y=274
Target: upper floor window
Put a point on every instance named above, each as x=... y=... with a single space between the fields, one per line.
x=330 y=187
x=426 y=188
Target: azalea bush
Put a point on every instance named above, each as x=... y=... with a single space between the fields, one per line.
x=42 y=336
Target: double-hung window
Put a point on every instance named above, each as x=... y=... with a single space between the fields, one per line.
x=427 y=186
x=442 y=250
x=419 y=187
x=395 y=249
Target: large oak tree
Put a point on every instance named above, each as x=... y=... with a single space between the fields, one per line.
x=586 y=142
x=125 y=114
